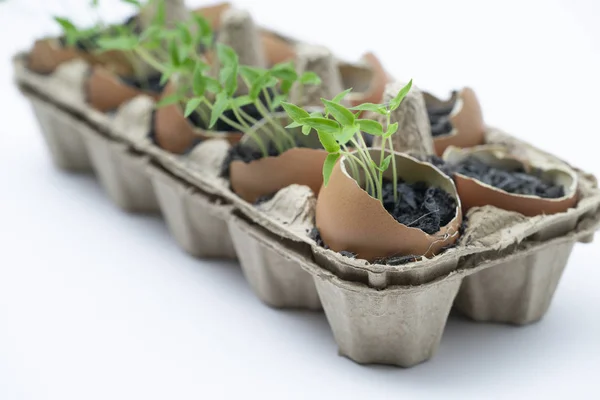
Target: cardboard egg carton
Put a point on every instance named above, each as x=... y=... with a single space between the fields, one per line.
x=505 y=268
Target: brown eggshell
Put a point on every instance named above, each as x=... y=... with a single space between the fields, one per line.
x=373 y=93
x=466 y=119
x=349 y=219
x=265 y=176
x=106 y=92
x=277 y=50
x=174 y=133
x=474 y=193
x=47 y=54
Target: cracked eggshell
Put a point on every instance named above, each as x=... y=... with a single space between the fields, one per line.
x=468 y=127
x=368 y=85
x=47 y=54
x=267 y=175
x=105 y=91
x=349 y=219
x=174 y=132
x=474 y=193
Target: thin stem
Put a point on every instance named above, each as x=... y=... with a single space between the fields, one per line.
x=368 y=178
x=147 y=57
x=256 y=137
x=394 y=172
x=268 y=99
x=267 y=116
x=369 y=169
x=352 y=163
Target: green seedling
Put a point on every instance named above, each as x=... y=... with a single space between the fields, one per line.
x=178 y=52
x=339 y=131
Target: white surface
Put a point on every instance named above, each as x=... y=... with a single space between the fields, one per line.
x=99 y=304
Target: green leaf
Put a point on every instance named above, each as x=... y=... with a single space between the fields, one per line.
x=66 y=24
x=296 y=113
x=294 y=125
x=377 y=108
x=285 y=71
x=286 y=87
x=277 y=100
x=241 y=101
x=338 y=99
x=395 y=102
x=227 y=56
x=168 y=100
x=198 y=81
x=322 y=124
x=371 y=127
x=385 y=163
x=185 y=34
x=212 y=85
x=306 y=129
x=316 y=114
x=310 y=78
x=221 y=104
x=328 y=141
x=347 y=133
x=192 y=105
x=250 y=74
x=118 y=43
x=150 y=34
x=174 y=53
x=166 y=75
x=204 y=34
x=160 y=16
x=228 y=79
x=393 y=128
x=339 y=112
x=259 y=84
x=328 y=166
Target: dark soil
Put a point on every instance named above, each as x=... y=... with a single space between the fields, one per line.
x=419 y=205
x=151 y=84
x=439 y=119
x=516 y=182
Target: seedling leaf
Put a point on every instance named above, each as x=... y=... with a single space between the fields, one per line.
x=385 y=163
x=371 y=127
x=328 y=141
x=191 y=106
x=310 y=78
x=296 y=113
x=338 y=99
x=322 y=124
x=377 y=108
x=395 y=102
x=347 y=133
x=221 y=104
x=328 y=166
x=339 y=112
x=393 y=128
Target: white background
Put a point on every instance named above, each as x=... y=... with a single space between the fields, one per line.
x=99 y=304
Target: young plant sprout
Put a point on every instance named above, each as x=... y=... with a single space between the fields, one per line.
x=166 y=50
x=339 y=131
x=179 y=52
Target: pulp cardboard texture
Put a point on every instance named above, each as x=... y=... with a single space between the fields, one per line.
x=505 y=267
